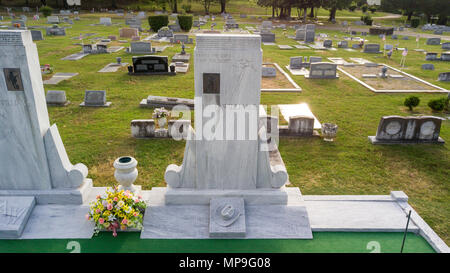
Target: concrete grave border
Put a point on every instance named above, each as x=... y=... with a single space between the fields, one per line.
x=440 y=89
x=296 y=88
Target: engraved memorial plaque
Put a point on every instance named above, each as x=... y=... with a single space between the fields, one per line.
x=211 y=83
x=13 y=79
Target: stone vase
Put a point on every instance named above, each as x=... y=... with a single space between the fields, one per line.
x=126 y=172
x=329 y=131
x=162 y=122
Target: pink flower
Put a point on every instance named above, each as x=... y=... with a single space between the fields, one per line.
x=109 y=207
x=115 y=199
x=101 y=220
x=136 y=201
x=87 y=216
x=98 y=196
x=124 y=221
x=98 y=211
x=135 y=214
x=140 y=197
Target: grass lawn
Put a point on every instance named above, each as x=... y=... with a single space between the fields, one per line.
x=323 y=242
x=351 y=165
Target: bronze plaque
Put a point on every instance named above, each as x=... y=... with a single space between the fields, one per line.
x=13 y=79
x=211 y=83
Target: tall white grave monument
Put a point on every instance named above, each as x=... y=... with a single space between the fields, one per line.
x=33 y=159
x=231 y=183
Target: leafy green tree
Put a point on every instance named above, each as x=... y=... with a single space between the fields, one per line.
x=334 y=5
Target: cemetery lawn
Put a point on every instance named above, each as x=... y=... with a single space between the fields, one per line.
x=351 y=165
x=130 y=242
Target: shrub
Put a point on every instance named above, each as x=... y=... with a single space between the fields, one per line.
x=367 y=20
x=158 y=21
x=411 y=101
x=46 y=11
x=373 y=9
x=442 y=20
x=415 y=22
x=438 y=104
x=185 y=22
x=352 y=7
x=187 y=8
x=364 y=8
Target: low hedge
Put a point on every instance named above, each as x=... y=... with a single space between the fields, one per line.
x=158 y=21
x=185 y=22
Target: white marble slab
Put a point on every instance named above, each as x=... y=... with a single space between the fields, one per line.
x=59 y=77
x=302 y=109
x=58 y=222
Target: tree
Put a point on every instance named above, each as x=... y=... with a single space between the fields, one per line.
x=411 y=101
x=223 y=4
x=334 y=5
x=206 y=4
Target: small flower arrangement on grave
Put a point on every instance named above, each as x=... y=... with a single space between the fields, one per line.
x=161 y=114
x=46 y=69
x=115 y=210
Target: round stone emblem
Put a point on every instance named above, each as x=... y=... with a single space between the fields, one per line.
x=427 y=128
x=393 y=127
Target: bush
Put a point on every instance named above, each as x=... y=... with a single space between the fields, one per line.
x=187 y=8
x=411 y=101
x=415 y=22
x=443 y=19
x=438 y=104
x=367 y=20
x=158 y=21
x=46 y=11
x=185 y=22
x=373 y=9
x=352 y=7
x=364 y=8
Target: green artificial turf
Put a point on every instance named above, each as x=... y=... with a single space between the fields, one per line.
x=129 y=242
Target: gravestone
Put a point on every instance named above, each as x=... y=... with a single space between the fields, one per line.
x=322 y=71
x=381 y=30
x=56 y=98
x=36 y=35
x=301 y=126
x=428 y=66
x=141 y=48
x=444 y=77
x=53 y=20
x=165 y=32
x=445 y=56
x=343 y=44
x=128 y=32
x=105 y=21
x=34 y=160
x=221 y=177
x=433 y=41
x=328 y=43
x=267 y=37
x=408 y=130
x=405 y=38
x=300 y=34
x=55 y=31
x=388 y=47
x=266 y=24
x=87 y=48
x=181 y=38
x=310 y=33
x=268 y=72
x=150 y=65
x=394 y=37
x=296 y=62
x=371 y=48
x=431 y=56
x=446 y=45
x=20 y=23
x=95 y=98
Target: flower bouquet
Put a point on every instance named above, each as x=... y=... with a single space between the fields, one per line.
x=117 y=210
x=161 y=114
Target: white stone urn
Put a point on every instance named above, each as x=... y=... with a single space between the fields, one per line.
x=162 y=122
x=126 y=172
x=329 y=131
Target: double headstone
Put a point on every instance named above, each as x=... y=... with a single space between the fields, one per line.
x=36 y=35
x=52 y=20
x=371 y=48
x=141 y=48
x=428 y=66
x=322 y=71
x=433 y=41
x=105 y=21
x=444 y=77
x=399 y=130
